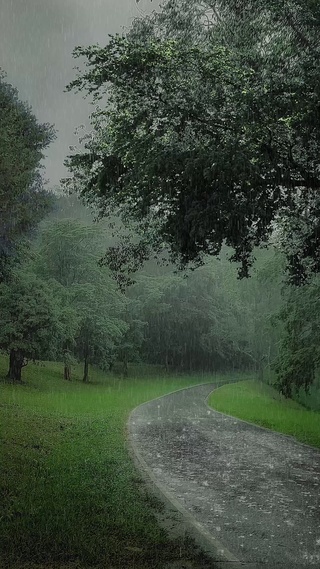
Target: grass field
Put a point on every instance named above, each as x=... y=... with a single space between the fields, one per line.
x=70 y=496
x=261 y=404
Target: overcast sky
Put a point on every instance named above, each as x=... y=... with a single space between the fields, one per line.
x=36 y=41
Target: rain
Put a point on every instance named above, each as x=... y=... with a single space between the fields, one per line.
x=159 y=284
x=37 y=40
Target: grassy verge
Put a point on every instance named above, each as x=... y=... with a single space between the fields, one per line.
x=70 y=496
x=261 y=404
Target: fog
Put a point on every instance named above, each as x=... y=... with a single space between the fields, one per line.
x=36 y=42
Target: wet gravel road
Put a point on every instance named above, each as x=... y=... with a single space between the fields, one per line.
x=254 y=490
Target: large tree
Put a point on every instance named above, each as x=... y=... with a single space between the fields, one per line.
x=207 y=126
x=32 y=322
x=23 y=200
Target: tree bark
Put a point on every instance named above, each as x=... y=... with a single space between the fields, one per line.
x=86 y=370
x=125 y=366
x=67 y=365
x=67 y=372
x=16 y=363
x=167 y=362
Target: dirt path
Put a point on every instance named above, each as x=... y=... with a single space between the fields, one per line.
x=251 y=495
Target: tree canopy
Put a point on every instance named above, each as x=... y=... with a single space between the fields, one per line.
x=23 y=199
x=67 y=253
x=206 y=128
x=31 y=320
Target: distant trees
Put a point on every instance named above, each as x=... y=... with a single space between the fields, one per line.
x=187 y=321
x=63 y=305
x=23 y=200
x=209 y=320
x=101 y=325
x=68 y=251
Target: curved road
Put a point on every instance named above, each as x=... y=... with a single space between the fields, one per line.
x=249 y=492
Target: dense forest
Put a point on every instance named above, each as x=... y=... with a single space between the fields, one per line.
x=203 y=154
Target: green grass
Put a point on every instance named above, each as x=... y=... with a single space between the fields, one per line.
x=70 y=495
x=261 y=404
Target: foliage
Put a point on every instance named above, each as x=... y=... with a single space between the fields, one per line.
x=125 y=259
x=130 y=347
x=69 y=252
x=262 y=299
x=23 y=200
x=210 y=129
x=207 y=319
x=101 y=323
x=31 y=322
x=299 y=355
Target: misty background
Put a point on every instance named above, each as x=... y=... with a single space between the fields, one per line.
x=37 y=38
x=208 y=321
x=95 y=319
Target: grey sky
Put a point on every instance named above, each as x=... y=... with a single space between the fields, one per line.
x=36 y=41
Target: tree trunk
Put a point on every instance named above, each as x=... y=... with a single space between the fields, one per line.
x=261 y=370
x=67 y=372
x=125 y=366
x=167 y=362
x=16 y=363
x=67 y=365
x=86 y=370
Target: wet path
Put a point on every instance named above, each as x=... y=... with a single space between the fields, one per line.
x=256 y=491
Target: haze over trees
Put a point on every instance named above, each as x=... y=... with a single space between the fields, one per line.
x=182 y=249
x=204 y=145
x=67 y=252
x=27 y=312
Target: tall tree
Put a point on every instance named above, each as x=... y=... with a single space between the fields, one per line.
x=101 y=323
x=23 y=200
x=69 y=252
x=210 y=131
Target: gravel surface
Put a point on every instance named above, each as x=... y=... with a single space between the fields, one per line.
x=254 y=490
